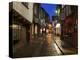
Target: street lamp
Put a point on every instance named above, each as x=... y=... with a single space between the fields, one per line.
x=44 y=29
x=56 y=11
x=58 y=25
x=49 y=25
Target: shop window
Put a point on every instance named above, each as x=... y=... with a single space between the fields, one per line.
x=16 y=30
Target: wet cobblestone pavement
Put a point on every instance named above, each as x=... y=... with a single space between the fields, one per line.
x=46 y=45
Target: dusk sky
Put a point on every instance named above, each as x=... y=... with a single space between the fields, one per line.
x=50 y=9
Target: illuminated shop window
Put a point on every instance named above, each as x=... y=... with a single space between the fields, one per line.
x=16 y=31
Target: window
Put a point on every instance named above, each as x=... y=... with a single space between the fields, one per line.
x=64 y=11
x=69 y=10
x=62 y=15
x=41 y=13
x=35 y=9
x=63 y=6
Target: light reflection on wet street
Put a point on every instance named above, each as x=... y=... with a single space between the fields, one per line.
x=45 y=45
x=48 y=47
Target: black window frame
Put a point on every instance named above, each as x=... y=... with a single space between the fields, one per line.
x=25 y=4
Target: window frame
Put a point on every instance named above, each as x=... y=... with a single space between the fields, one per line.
x=25 y=4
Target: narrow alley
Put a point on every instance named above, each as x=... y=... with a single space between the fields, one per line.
x=46 y=45
x=40 y=29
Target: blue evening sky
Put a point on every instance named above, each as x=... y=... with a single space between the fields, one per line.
x=50 y=9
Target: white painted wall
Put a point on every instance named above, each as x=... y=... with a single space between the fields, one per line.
x=21 y=9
